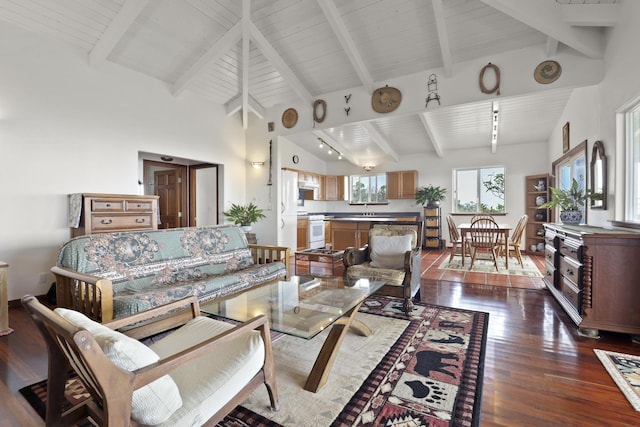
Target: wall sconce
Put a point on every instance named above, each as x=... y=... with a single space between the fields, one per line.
x=257 y=165
x=368 y=168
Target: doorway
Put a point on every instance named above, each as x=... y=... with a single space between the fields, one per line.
x=188 y=190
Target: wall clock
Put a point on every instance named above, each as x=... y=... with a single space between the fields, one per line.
x=295 y=159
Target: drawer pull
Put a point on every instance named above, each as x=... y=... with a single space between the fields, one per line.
x=108 y=205
x=106 y=221
x=569 y=272
x=139 y=205
x=140 y=220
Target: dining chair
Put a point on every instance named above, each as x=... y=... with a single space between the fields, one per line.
x=484 y=235
x=456 y=239
x=515 y=239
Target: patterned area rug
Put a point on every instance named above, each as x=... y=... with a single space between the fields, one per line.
x=625 y=371
x=485 y=265
x=426 y=370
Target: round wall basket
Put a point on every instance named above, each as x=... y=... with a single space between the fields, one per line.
x=289 y=118
x=385 y=99
x=547 y=72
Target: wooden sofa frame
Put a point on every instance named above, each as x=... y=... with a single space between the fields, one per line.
x=110 y=387
x=93 y=296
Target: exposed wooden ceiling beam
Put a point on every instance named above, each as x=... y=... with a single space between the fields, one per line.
x=235 y=104
x=246 y=38
x=380 y=141
x=116 y=29
x=340 y=30
x=270 y=53
x=591 y=15
x=443 y=38
x=552 y=46
x=222 y=45
x=428 y=126
x=346 y=154
x=545 y=17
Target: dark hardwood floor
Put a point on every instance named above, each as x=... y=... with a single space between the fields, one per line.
x=538 y=370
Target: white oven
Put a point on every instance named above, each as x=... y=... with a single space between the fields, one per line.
x=316 y=232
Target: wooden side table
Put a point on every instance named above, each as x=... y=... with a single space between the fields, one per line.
x=4 y=300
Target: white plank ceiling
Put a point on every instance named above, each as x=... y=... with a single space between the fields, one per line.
x=301 y=49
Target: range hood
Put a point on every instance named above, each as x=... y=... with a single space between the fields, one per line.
x=308 y=185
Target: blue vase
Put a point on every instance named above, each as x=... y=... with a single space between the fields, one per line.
x=571 y=217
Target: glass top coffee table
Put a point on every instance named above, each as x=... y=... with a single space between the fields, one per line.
x=303 y=307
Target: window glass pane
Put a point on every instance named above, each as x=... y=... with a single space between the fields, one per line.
x=368 y=188
x=633 y=150
x=479 y=190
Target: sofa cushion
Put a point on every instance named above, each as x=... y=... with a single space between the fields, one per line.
x=151 y=404
x=207 y=383
x=389 y=251
x=365 y=270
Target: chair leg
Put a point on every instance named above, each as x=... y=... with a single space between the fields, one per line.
x=518 y=255
x=453 y=251
x=495 y=258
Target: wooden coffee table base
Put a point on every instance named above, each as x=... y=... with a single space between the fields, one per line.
x=324 y=362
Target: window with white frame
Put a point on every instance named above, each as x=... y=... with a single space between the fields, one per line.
x=632 y=120
x=368 y=188
x=479 y=190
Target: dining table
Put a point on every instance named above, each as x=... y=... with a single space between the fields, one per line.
x=465 y=228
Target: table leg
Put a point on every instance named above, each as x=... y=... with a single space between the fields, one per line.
x=506 y=248
x=324 y=362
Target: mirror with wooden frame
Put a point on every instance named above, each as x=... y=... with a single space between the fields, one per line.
x=599 y=175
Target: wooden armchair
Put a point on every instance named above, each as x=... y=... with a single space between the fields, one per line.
x=393 y=256
x=194 y=375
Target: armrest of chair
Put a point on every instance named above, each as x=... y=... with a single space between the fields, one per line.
x=355 y=256
x=189 y=307
x=90 y=295
x=412 y=260
x=265 y=254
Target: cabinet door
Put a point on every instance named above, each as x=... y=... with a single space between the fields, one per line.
x=393 y=185
x=344 y=234
x=303 y=233
x=363 y=233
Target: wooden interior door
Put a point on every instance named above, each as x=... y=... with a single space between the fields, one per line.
x=168 y=185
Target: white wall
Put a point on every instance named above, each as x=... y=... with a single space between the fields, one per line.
x=591 y=110
x=66 y=127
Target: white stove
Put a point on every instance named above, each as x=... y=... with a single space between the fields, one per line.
x=316 y=232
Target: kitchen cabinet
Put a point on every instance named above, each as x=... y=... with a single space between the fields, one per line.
x=303 y=234
x=592 y=272
x=105 y=213
x=327 y=234
x=346 y=234
x=334 y=187
x=537 y=192
x=402 y=184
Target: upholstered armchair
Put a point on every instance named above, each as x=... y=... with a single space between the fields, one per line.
x=196 y=374
x=393 y=256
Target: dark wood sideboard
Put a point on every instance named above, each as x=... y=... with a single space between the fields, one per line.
x=594 y=274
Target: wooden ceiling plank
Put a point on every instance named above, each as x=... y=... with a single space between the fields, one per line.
x=235 y=104
x=544 y=18
x=340 y=30
x=272 y=55
x=428 y=126
x=223 y=44
x=116 y=29
x=443 y=37
x=381 y=141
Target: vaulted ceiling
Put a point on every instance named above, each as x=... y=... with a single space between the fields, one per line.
x=252 y=55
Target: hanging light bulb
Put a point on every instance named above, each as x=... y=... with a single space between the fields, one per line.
x=339 y=156
x=329 y=151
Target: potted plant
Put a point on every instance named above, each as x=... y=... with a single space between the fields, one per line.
x=244 y=215
x=571 y=202
x=430 y=195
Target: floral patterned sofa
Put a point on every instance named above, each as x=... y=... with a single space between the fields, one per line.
x=112 y=275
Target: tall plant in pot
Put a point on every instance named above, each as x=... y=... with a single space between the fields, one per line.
x=571 y=201
x=430 y=196
x=244 y=215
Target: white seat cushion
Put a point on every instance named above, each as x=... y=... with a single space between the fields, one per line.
x=208 y=383
x=151 y=404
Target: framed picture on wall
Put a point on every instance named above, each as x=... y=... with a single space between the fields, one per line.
x=565 y=137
